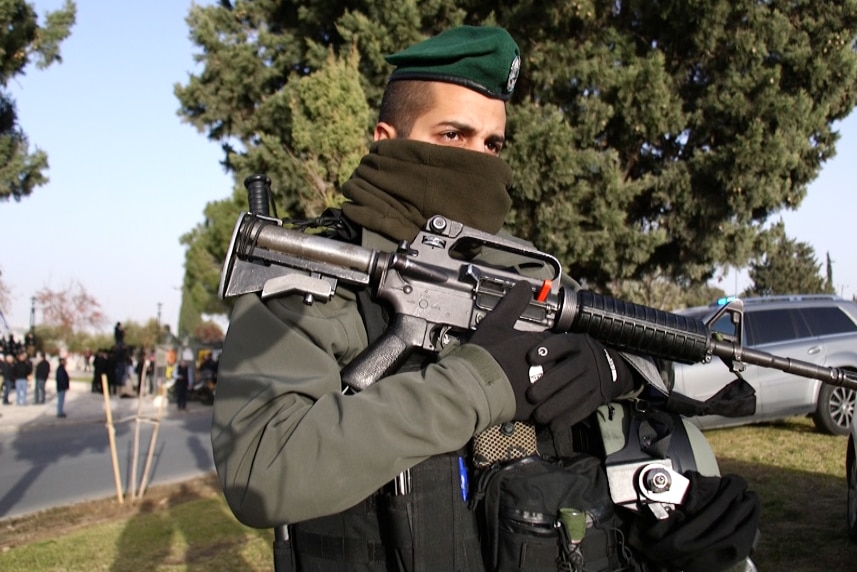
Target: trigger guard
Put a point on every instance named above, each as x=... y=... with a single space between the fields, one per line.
x=442 y=337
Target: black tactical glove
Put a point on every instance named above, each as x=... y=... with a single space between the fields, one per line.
x=714 y=528
x=496 y=333
x=580 y=375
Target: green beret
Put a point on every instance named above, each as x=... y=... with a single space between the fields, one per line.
x=482 y=58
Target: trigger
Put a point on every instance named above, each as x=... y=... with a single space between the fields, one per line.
x=441 y=337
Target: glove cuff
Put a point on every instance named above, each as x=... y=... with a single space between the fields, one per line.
x=614 y=367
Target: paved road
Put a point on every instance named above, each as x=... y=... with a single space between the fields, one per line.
x=46 y=461
x=45 y=467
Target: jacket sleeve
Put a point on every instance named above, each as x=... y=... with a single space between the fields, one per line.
x=290 y=446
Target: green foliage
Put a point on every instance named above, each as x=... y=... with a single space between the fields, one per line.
x=648 y=139
x=48 y=338
x=665 y=294
x=82 y=341
x=572 y=202
x=206 y=251
x=829 y=271
x=22 y=40
x=712 y=109
x=329 y=117
x=141 y=335
x=787 y=267
x=52 y=337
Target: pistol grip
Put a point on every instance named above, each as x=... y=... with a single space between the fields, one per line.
x=387 y=353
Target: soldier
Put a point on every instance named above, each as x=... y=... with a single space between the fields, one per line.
x=291 y=447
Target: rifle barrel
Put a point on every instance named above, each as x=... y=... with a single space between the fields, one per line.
x=646 y=330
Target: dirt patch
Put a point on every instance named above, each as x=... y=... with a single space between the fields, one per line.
x=49 y=524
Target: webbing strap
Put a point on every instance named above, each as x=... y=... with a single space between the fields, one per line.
x=284 y=558
x=373 y=314
x=352 y=550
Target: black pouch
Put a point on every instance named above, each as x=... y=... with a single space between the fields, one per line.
x=540 y=515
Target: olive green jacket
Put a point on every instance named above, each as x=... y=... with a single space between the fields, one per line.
x=289 y=446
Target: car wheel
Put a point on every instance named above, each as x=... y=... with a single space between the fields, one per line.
x=851 y=472
x=834 y=409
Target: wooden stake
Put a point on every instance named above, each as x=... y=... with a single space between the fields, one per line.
x=162 y=394
x=111 y=435
x=136 y=447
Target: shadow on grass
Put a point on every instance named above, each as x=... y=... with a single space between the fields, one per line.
x=803 y=523
x=195 y=532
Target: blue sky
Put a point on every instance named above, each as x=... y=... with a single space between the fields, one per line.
x=128 y=178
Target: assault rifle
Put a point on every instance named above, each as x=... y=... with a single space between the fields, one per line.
x=437 y=291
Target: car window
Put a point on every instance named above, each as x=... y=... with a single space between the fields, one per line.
x=827 y=321
x=768 y=326
x=724 y=325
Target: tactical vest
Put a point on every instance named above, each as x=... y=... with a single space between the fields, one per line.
x=428 y=528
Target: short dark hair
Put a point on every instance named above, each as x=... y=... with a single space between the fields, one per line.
x=404 y=102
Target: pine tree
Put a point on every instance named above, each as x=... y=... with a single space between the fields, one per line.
x=648 y=139
x=786 y=267
x=22 y=40
x=325 y=116
x=829 y=269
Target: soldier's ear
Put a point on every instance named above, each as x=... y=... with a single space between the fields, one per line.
x=384 y=131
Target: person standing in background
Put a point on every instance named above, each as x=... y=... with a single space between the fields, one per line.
x=62 y=386
x=8 y=377
x=43 y=370
x=99 y=369
x=21 y=369
x=119 y=334
x=182 y=378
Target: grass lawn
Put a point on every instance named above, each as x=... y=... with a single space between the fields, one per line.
x=798 y=473
x=186 y=526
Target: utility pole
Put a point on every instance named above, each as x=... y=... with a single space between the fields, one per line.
x=32 y=314
x=159 y=324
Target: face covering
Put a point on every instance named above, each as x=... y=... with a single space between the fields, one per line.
x=401 y=183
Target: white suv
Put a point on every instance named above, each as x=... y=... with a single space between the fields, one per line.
x=820 y=329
